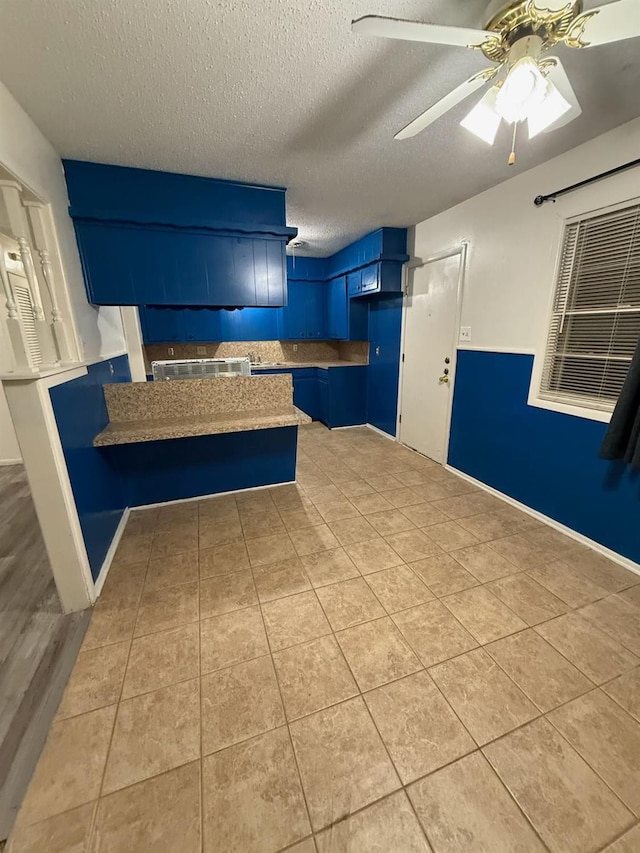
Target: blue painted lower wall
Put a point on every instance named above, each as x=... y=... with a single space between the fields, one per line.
x=81 y=413
x=546 y=460
x=158 y=471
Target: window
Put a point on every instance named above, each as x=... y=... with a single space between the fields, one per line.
x=595 y=320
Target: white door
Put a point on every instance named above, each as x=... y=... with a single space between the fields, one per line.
x=430 y=317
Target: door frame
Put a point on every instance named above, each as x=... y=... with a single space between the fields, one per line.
x=461 y=250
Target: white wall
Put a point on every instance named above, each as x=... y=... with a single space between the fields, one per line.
x=9 y=450
x=513 y=245
x=26 y=153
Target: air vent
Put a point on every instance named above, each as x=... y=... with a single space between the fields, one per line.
x=25 y=308
x=200 y=368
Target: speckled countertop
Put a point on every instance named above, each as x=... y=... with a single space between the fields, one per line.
x=287 y=365
x=130 y=432
x=149 y=411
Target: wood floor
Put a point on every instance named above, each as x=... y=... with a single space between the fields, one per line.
x=38 y=643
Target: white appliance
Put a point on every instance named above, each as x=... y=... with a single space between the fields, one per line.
x=200 y=368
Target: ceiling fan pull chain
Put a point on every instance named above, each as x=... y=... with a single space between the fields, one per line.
x=512 y=156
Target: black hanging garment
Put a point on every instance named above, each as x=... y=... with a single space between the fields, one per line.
x=622 y=440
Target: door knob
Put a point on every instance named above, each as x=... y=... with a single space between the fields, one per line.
x=443 y=380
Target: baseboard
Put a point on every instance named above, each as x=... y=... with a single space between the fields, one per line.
x=568 y=531
x=11 y=461
x=106 y=565
x=215 y=495
x=382 y=432
x=351 y=426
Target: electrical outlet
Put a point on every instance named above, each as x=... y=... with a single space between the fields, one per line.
x=201 y=350
x=465 y=333
x=295 y=347
x=171 y=351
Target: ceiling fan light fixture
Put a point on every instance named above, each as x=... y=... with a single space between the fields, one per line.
x=553 y=107
x=522 y=92
x=484 y=120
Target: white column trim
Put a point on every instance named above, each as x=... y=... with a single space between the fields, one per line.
x=32 y=412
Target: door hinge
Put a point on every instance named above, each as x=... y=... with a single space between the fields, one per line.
x=403 y=358
x=400 y=419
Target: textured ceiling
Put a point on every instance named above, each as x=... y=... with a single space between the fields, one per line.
x=281 y=92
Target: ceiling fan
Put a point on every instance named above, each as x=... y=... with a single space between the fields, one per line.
x=527 y=84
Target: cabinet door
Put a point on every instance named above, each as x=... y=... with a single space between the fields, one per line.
x=250 y=324
x=164 y=325
x=305 y=395
x=347 y=396
x=315 y=309
x=323 y=397
x=202 y=324
x=294 y=318
x=337 y=309
x=269 y=272
x=354 y=283
x=370 y=279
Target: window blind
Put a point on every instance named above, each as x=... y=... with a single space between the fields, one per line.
x=595 y=319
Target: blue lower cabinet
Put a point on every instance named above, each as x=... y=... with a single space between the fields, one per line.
x=323 y=396
x=305 y=392
x=305 y=388
x=343 y=396
x=337 y=396
x=179 y=468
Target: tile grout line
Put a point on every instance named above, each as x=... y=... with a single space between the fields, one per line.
x=200 y=727
x=94 y=823
x=333 y=633
x=284 y=711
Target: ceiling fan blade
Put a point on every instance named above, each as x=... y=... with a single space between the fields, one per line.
x=397 y=28
x=614 y=22
x=558 y=76
x=447 y=103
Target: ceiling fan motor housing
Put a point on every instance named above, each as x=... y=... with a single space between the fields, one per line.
x=524 y=19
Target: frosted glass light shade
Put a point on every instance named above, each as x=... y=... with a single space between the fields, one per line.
x=551 y=109
x=484 y=120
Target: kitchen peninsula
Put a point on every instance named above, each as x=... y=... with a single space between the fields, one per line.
x=189 y=438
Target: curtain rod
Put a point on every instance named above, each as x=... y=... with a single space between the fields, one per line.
x=540 y=199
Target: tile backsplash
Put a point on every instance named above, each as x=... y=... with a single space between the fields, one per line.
x=355 y=351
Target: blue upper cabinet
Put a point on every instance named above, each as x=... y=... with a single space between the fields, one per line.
x=163 y=325
x=305 y=315
x=306 y=269
x=338 y=309
x=385 y=244
x=164 y=239
x=249 y=324
x=347 y=319
x=201 y=325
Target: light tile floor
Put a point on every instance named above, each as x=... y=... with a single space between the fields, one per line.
x=379 y=658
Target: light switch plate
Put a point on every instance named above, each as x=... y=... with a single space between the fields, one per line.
x=465 y=333
x=171 y=351
x=201 y=350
